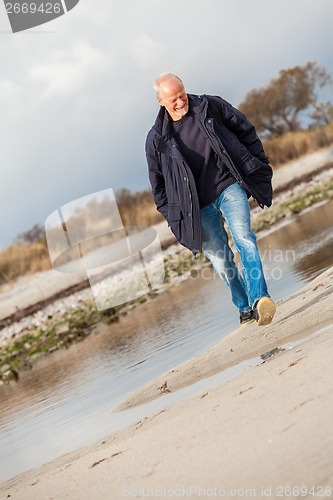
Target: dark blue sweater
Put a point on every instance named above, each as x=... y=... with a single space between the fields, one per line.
x=210 y=179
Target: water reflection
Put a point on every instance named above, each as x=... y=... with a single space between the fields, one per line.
x=66 y=401
x=305 y=247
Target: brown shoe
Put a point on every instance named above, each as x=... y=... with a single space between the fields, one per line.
x=264 y=311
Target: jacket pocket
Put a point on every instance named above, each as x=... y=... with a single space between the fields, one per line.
x=174 y=217
x=174 y=213
x=249 y=164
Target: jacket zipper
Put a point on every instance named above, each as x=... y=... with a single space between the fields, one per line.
x=190 y=196
x=222 y=153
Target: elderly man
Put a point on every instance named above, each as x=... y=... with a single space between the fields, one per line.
x=205 y=160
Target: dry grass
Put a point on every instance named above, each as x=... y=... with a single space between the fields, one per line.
x=138 y=209
x=21 y=259
x=295 y=144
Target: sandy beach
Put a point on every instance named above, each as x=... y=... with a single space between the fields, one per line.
x=266 y=432
x=256 y=420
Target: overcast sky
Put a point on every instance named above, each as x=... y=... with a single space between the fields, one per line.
x=76 y=94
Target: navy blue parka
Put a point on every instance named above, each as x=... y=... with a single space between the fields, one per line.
x=234 y=140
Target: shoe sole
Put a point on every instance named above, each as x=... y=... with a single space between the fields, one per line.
x=246 y=323
x=266 y=310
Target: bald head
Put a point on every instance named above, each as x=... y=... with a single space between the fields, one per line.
x=170 y=93
x=165 y=78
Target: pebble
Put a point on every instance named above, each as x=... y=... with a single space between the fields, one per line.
x=83 y=299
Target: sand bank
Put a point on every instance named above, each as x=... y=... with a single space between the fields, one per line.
x=264 y=431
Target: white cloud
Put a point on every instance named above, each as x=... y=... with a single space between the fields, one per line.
x=8 y=89
x=145 y=51
x=69 y=70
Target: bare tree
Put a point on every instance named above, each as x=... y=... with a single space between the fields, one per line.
x=33 y=235
x=277 y=108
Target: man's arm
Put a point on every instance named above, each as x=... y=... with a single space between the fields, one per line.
x=156 y=179
x=237 y=122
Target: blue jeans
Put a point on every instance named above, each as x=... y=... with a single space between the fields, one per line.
x=232 y=205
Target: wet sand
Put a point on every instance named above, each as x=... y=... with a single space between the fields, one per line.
x=260 y=434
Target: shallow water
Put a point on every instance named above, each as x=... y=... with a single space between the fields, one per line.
x=66 y=401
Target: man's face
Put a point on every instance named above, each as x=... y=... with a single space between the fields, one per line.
x=173 y=97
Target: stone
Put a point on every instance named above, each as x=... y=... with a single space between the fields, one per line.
x=9 y=376
x=61 y=328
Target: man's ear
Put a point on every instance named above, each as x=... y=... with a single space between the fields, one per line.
x=160 y=101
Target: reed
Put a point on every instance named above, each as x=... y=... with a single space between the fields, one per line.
x=21 y=259
x=293 y=145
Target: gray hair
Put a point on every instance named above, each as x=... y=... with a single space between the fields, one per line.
x=164 y=77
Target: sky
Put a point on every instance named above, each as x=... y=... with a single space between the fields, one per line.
x=77 y=98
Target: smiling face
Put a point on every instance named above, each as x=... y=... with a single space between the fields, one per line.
x=172 y=95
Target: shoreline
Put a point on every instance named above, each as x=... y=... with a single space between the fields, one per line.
x=59 y=325
x=268 y=427
x=249 y=341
